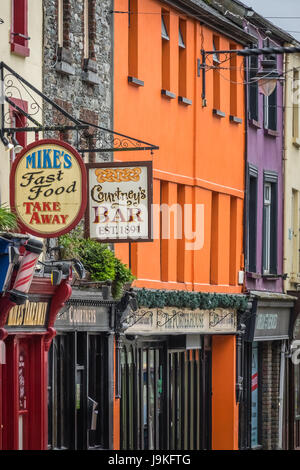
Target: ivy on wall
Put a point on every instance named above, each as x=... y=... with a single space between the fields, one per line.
x=182 y=299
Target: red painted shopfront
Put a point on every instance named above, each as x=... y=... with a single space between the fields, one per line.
x=27 y=331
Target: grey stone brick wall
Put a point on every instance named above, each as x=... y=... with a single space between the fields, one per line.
x=68 y=79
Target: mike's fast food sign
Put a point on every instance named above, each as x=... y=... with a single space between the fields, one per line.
x=48 y=188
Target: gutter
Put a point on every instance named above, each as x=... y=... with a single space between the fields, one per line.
x=212 y=18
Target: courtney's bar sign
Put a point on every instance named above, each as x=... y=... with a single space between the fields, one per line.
x=120 y=198
x=48 y=188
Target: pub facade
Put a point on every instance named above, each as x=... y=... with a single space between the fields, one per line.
x=81 y=369
x=177 y=378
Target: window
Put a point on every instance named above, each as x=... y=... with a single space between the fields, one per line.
x=165 y=46
x=141 y=399
x=86 y=29
x=233 y=82
x=270 y=224
x=19 y=28
x=297 y=391
x=270 y=111
x=253 y=89
x=133 y=38
x=252 y=219
x=216 y=74
x=295 y=232
x=182 y=85
x=18 y=120
x=60 y=22
x=295 y=91
x=270 y=105
x=255 y=395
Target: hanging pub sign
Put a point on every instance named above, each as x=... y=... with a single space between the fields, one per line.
x=119 y=201
x=48 y=188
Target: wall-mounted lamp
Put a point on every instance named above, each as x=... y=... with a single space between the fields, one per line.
x=267 y=77
x=8 y=145
x=17 y=147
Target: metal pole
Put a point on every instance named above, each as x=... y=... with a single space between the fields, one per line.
x=2 y=98
x=281 y=393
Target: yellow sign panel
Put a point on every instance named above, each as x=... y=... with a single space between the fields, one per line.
x=29 y=314
x=48 y=188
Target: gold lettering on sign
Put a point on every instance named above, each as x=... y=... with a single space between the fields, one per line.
x=29 y=314
x=117 y=174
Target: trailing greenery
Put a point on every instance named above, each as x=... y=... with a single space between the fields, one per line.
x=183 y=299
x=8 y=220
x=98 y=260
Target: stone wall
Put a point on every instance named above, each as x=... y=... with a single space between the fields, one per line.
x=81 y=87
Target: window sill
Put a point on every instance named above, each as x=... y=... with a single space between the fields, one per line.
x=295 y=280
x=271 y=133
x=271 y=277
x=90 y=77
x=252 y=275
x=168 y=94
x=218 y=113
x=19 y=49
x=135 y=81
x=296 y=142
x=254 y=124
x=235 y=119
x=64 y=68
x=185 y=101
x=90 y=65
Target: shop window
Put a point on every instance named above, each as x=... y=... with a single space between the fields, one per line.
x=270 y=224
x=78 y=392
x=253 y=88
x=166 y=398
x=297 y=391
x=182 y=73
x=256 y=396
x=165 y=50
x=141 y=398
x=19 y=28
x=252 y=219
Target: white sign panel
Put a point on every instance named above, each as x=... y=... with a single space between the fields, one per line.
x=120 y=199
x=170 y=320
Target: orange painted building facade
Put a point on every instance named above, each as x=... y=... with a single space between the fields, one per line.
x=200 y=162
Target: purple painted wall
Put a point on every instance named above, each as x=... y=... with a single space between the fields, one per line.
x=265 y=152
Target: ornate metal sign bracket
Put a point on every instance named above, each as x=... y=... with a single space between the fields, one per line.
x=22 y=109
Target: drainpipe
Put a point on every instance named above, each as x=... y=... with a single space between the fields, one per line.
x=284 y=169
x=281 y=393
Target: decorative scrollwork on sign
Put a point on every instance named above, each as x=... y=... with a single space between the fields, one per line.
x=117 y=174
x=138 y=316
x=167 y=316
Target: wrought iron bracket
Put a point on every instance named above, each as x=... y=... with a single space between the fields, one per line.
x=101 y=140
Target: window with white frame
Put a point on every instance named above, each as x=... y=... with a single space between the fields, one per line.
x=270 y=224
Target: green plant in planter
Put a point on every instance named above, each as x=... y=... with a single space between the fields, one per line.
x=8 y=220
x=97 y=259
